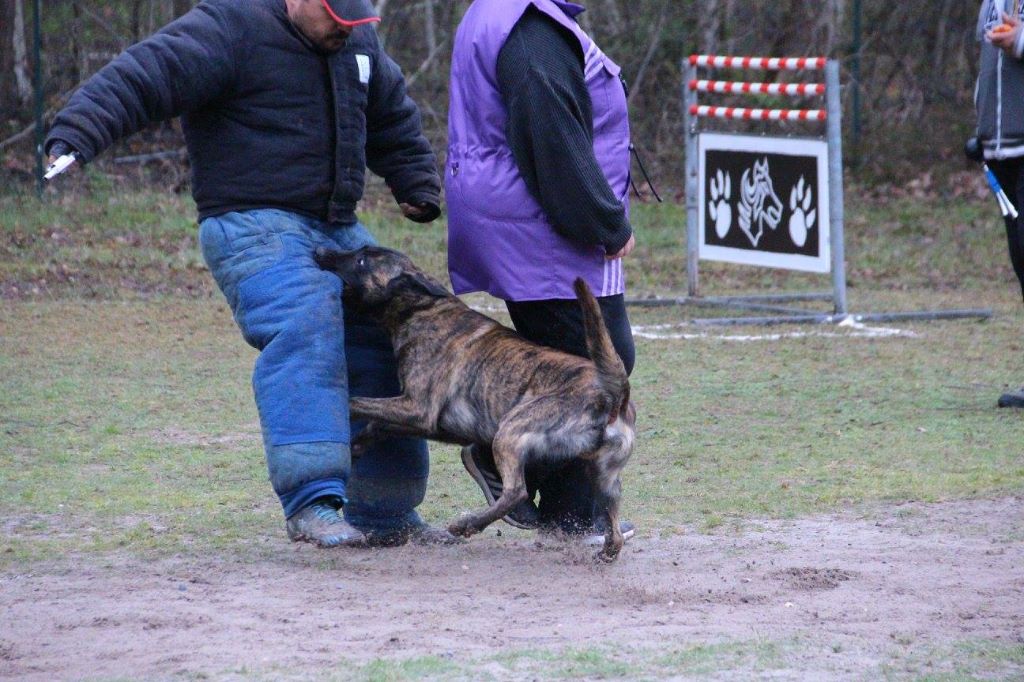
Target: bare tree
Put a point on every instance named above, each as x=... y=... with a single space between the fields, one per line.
x=8 y=89
x=710 y=25
x=22 y=79
x=430 y=31
x=916 y=76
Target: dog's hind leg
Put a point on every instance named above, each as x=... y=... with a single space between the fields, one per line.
x=610 y=459
x=508 y=449
x=608 y=502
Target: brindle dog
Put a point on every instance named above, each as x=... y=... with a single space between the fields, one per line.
x=467 y=379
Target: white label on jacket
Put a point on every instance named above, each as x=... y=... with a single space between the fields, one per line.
x=363 y=62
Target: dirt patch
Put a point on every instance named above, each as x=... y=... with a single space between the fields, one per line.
x=809 y=578
x=860 y=589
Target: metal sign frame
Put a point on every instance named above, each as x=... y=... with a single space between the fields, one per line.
x=833 y=140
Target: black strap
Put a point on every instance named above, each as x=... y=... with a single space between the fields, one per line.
x=643 y=170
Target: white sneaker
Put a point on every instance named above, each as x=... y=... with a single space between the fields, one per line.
x=597 y=538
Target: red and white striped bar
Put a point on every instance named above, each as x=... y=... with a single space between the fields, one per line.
x=758 y=114
x=742 y=88
x=763 y=63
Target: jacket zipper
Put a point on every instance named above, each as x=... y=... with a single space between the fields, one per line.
x=999 y=104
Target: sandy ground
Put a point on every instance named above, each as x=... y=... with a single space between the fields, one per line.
x=858 y=587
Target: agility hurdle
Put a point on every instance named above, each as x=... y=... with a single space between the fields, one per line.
x=809 y=171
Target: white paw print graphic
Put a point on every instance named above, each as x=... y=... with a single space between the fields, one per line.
x=719 y=208
x=802 y=219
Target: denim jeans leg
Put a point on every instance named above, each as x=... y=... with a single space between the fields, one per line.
x=289 y=310
x=389 y=480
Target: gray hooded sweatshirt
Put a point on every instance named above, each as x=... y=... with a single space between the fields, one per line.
x=999 y=93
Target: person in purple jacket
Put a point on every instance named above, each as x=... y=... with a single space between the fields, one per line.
x=536 y=180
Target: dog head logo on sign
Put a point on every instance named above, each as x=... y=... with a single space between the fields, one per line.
x=759 y=205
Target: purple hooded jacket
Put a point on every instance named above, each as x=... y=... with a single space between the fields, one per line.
x=499 y=239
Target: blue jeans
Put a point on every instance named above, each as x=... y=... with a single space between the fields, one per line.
x=312 y=356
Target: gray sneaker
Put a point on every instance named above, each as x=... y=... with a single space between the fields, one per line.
x=481 y=467
x=321 y=524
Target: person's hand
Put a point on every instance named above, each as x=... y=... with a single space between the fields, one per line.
x=58 y=149
x=625 y=250
x=1004 y=36
x=420 y=213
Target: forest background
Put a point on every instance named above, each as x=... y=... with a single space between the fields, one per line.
x=908 y=71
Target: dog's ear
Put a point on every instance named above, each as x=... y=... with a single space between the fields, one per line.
x=326 y=258
x=414 y=281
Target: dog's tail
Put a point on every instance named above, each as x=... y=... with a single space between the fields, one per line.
x=610 y=369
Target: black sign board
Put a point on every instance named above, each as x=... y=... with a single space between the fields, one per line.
x=764 y=201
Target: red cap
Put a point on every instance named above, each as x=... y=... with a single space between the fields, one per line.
x=351 y=12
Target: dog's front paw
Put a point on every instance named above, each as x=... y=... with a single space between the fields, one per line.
x=610 y=550
x=359 y=448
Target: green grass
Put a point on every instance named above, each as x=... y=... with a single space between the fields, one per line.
x=137 y=410
x=964 y=661
x=127 y=425
x=140 y=416
x=960 y=662
x=728 y=660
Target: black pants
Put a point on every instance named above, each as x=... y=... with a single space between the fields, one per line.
x=1010 y=173
x=566 y=490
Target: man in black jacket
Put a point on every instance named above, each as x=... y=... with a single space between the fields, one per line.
x=284 y=104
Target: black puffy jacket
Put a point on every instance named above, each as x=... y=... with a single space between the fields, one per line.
x=269 y=120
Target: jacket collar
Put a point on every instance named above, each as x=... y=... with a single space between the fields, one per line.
x=572 y=9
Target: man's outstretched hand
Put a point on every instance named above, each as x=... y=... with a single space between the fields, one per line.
x=60 y=157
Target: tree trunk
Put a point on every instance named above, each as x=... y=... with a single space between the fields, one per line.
x=77 y=60
x=136 y=20
x=709 y=26
x=22 y=72
x=8 y=91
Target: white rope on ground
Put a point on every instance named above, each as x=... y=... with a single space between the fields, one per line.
x=852 y=329
x=662 y=332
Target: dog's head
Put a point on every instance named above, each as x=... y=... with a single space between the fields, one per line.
x=374 y=276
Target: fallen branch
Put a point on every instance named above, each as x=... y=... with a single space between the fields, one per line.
x=13 y=139
x=155 y=156
x=63 y=98
x=426 y=63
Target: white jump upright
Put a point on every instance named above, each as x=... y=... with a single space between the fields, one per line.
x=749 y=145
x=746 y=223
